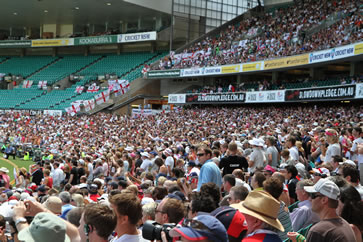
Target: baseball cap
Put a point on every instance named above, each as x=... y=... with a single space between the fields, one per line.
x=41 y=188
x=201 y=227
x=232 y=219
x=325 y=187
x=191 y=163
x=43 y=227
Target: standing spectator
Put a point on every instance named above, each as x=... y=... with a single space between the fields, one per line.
x=37 y=175
x=169 y=161
x=325 y=196
x=209 y=171
x=58 y=176
x=291 y=144
x=22 y=178
x=257 y=157
x=290 y=176
x=128 y=211
x=74 y=178
x=334 y=146
x=232 y=161
x=272 y=155
x=4 y=177
x=66 y=203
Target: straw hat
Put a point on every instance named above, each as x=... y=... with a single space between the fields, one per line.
x=263 y=206
x=4 y=169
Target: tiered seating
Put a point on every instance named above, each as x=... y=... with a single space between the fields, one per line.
x=11 y=98
x=25 y=66
x=67 y=103
x=63 y=68
x=118 y=64
x=48 y=100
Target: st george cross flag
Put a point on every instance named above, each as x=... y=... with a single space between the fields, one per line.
x=102 y=97
x=79 y=89
x=73 y=110
x=42 y=84
x=122 y=87
x=93 y=88
x=89 y=105
x=27 y=84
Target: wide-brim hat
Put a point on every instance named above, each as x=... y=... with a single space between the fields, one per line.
x=255 y=142
x=263 y=206
x=4 y=169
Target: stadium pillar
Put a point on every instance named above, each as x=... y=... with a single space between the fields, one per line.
x=239 y=79
x=316 y=73
x=275 y=76
x=355 y=67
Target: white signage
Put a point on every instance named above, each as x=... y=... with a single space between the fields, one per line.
x=359 y=90
x=331 y=54
x=137 y=37
x=176 y=98
x=265 y=96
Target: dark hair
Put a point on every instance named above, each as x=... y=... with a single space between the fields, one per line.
x=206 y=150
x=259 y=178
x=292 y=139
x=353 y=206
x=159 y=193
x=178 y=172
x=101 y=218
x=352 y=171
x=231 y=179
x=202 y=203
x=122 y=183
x=337 y=158
x=274 y=186
x=291 y=169
x=174 y=188
x=127 y=204
x=211 y=189
x=159 y=162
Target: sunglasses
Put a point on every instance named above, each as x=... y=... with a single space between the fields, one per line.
x=314 y=195
x=201 y=154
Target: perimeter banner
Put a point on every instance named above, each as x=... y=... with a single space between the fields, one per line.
x=215 y=98
x=324 y=93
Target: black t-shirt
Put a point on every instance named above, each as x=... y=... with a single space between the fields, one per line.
x=232 y=162
x=75 y=179
x=292 y=187
x=81 y=172
x=37 y=177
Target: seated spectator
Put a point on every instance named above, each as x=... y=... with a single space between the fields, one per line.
x=169 y=210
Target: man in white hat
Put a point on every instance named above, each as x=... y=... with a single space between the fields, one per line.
x=146 y=162
x=257 y=157
x=324 y=201
x=261 y=210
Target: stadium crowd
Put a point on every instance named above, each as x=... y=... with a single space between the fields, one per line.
x=206 y=174
x=287 y=31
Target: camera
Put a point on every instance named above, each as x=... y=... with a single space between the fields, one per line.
x=152 y=230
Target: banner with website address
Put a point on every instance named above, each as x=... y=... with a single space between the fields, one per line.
x=265 y=96
x=323 y=93
x=215 y=98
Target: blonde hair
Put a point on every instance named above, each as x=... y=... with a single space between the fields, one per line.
x=332 y=138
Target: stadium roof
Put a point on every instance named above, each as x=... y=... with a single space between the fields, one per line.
x=34 y=13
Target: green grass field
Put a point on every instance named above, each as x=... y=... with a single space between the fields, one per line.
x=20 y=163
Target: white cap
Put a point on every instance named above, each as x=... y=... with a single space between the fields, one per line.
x=326 y=188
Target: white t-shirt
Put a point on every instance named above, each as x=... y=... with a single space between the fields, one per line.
x=258 y=157
x=354 y=148
x=294 y=153
x=169 y=162
x=146 y=164
x=130 y=238
x=333 y=149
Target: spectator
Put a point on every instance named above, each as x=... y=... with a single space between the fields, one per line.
x=209 y=171
x=232 y=161
x=66 y=206
x=170 y=210
x=238 y=194
x=331 y=227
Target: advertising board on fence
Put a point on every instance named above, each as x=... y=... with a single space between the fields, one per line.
x=163 y=74
x=97 y=40
x=265 y=96
x=15 y=43
x=145 y=36
x=52 y=42
x=286 y=62
x=215 y=98
x=323 y=93
x=332 y=54
x=53 y=112
x=176 y=98
x=359 y=90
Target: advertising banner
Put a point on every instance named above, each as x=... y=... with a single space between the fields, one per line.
x=286 y=62
x=142 y=112
x=256 y=66
x=331 y=54
x=336 y=92
x=215 y=98
x=145 y=36
x=231 y=69
x=15 y=44
x=97 y=40
x=265 y=96
x=359 y=90
x=163 y=74
x=176 y=98
x=358 y=49
x=53 y=112
x=52 y=42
